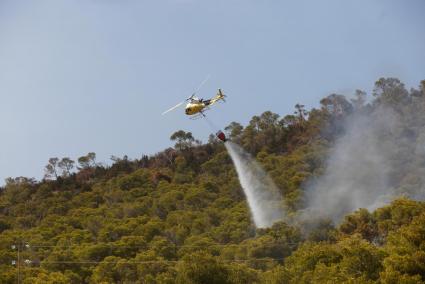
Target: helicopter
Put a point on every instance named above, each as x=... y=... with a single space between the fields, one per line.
x=195 y=106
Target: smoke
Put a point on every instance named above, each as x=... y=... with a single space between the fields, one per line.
x=264 y=199
x=365 y=166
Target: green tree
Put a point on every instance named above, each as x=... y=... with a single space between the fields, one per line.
x=52 y=168
x=201 y=268
x=234 y=131
x=184 y=140
x=301 y=112
x=66 y=165
x=114 y=270
x=359 y=100
x=406 y=253
x=336 y=104
x=87 y=161
x=390 y=92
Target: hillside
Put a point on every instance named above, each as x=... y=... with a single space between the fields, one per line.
x=180 y=216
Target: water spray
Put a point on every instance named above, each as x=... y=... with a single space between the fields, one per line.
x=263 y=196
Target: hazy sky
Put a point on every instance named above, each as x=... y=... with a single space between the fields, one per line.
x=95 y=75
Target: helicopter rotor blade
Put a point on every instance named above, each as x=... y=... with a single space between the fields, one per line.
x=190 y=98
x=173 y=108
x=200 y=86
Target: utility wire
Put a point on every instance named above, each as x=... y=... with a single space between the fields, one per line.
x=153 y=246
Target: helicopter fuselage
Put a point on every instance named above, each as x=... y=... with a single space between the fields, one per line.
x=196 y=107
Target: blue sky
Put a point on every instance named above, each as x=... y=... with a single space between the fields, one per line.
x=95 y=75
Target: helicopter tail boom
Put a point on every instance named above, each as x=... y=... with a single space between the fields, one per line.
x=219 y=97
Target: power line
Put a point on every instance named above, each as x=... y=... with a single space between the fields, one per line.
x=152 y=246
x=30 y=250
x=157 y=261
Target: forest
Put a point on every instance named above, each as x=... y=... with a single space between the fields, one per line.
x=351 y=173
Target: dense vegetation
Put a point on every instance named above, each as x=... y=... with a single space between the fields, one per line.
x=180 y=216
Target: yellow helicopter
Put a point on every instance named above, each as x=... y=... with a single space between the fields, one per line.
x=196 y=107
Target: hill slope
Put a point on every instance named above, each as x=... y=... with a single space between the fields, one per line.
x=181 y=216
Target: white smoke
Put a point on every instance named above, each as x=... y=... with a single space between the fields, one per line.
x=360 y=167
x=264 y=199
